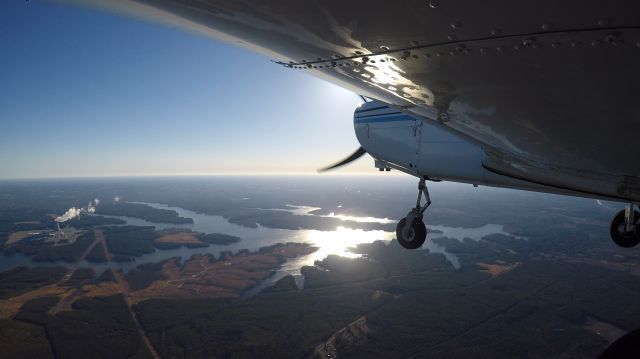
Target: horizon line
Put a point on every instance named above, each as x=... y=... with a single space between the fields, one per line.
x=219 y=174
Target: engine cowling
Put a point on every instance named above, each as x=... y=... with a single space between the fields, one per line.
x=416 y=146
x=427 y=149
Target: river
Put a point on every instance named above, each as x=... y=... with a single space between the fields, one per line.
x=335 y=242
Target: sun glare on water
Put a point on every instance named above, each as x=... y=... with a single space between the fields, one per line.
x=339 y=242
x=360 y=219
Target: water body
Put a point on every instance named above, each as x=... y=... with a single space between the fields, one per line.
x=475 y=234
x=335 y=242
x=306 y=211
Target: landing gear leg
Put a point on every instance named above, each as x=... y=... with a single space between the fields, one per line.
x=625 y=227
x=411 y=231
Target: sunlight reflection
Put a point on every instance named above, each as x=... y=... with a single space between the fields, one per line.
x=306 y=211
x=386 y=75
x=359 y=219
x=339 y=242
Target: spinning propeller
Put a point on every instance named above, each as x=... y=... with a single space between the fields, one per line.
x=354 y=156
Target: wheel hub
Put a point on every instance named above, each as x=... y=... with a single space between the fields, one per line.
x=622 y=230
x=409 y=234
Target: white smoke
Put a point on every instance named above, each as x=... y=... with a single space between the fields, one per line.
x=116 y=199
x=599 y=202
x=72 y=213
x=91 y=207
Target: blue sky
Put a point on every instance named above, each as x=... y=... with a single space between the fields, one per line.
x=90 y=93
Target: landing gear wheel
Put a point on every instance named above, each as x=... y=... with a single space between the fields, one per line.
x=412 y=237
x=620 y=235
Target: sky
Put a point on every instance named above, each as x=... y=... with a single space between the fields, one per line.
x=88 y=93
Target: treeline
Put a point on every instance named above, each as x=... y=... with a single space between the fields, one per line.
x=99 y=327
x=79 y=276
x=21 y=340
x=97 y=254
x=127 y=242
x=283 y=322
x=21 y=220
x=143 y=275
x=142 y=211
x=89 y=221
x=43 y=251
x=16 y=281
x=67 y=252
x=337 y=270
x=218 y=238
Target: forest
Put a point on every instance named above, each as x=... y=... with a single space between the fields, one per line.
x=142 y=211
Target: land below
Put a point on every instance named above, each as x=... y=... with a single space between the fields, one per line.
x=46 y=302
x=557 y=287
x=389 y=303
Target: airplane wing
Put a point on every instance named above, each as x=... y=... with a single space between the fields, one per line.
x=548 y=89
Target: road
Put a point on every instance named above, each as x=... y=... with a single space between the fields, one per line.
x=66 y=301
x=125 y=293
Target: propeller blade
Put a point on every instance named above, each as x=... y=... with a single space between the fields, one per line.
x=359 y=152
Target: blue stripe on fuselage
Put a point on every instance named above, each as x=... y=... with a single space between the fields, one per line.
x=379 y=114
x=395 y=117
x=372 y=109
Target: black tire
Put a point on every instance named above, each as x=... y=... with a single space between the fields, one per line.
x=619 y=236
x=416 y=234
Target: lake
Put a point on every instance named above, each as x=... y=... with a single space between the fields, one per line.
x=335 y=242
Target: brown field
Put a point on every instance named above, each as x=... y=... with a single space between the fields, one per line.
x=10 y=307
x=201 y=276
x=180 y=237
x=606 y=330
x=20 y=235
x=68 y=295
x=497 y=269
x=104 y=289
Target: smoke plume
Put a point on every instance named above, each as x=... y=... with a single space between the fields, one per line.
x=91 y=207
x=72 y=213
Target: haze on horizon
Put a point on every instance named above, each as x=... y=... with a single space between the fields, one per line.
x=88 y=93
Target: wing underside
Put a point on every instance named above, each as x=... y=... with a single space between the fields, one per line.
x=550 y=96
